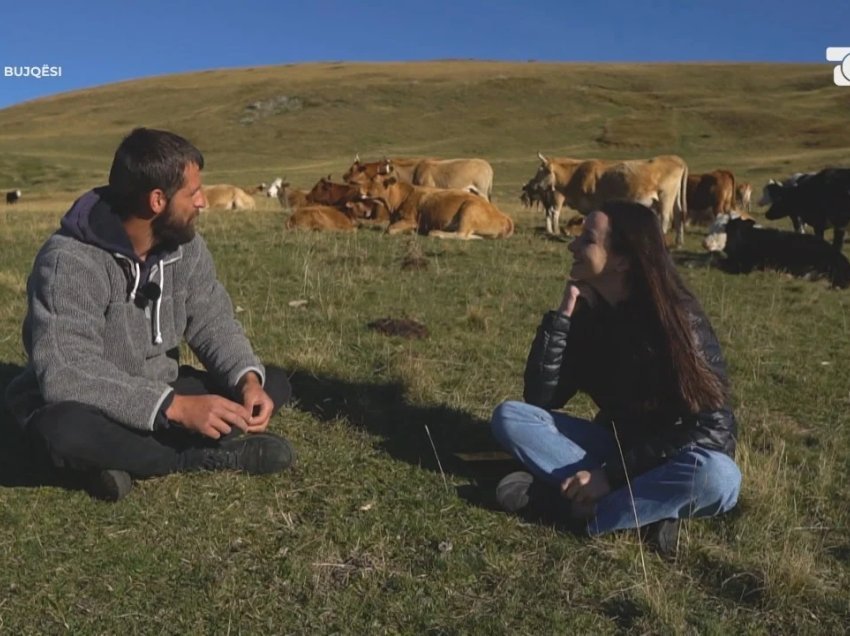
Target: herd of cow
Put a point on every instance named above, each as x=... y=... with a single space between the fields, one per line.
x=453 y=199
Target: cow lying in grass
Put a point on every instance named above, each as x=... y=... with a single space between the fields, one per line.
x=289 y=198
x=321 y=217
x=228 y=197
x=347 y=197
x=437 y=212
x=748 y=247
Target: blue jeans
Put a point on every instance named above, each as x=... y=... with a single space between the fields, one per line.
x=553 y=446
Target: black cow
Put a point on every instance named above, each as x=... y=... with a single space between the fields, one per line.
x=821 y=200
x=12 y=196
x=749 y=247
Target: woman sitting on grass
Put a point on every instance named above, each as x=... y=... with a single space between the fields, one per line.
x=630 y=335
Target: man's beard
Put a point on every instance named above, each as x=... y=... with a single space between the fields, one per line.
x=169 y=233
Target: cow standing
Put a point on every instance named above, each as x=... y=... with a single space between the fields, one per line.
x=12 y=196
x=710 y=195
x=473 y=175
x=744 y=197
x=821 y=200
x=585 y=185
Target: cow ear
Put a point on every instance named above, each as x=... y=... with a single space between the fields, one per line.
x=329 y=176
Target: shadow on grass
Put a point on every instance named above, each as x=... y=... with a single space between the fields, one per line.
x=695 y=260
x=21 y=463
x=463 y=443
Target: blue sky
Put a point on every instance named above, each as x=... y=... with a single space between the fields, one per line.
x=98 y=42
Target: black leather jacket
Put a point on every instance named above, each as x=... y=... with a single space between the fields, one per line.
x=608 y=353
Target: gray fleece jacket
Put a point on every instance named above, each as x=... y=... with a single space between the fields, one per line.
x=104 y=328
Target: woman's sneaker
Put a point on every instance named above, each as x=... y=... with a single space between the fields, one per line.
x=534 y=500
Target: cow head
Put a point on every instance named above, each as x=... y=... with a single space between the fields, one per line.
x=771 y=193
x=363 y=172
x=727 y=233
x=274 y=189
x=541 y=185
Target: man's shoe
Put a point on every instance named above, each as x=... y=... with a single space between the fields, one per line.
x=254 y=453
x=663 y=536
x=109 y=485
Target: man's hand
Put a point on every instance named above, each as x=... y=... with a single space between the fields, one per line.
x=585 y=488
x=209 y=415
x=256 y=401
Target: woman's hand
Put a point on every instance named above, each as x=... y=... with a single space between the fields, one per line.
x=572 y=291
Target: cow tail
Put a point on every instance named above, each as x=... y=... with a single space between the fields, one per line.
x=732 y=203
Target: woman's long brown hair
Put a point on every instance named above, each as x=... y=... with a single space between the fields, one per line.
x=635 y=233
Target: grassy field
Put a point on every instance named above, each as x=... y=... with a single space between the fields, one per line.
x=375 y=530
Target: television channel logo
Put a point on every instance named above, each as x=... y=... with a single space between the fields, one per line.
x=841 y=73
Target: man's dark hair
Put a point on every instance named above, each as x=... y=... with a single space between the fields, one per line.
x=147 y=160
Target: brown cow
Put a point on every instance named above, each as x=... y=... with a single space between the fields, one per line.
x=438 y=212
x=321 y=217
x=744 y=196
x=472 y=175
x=347 y=198
x=585 y=185
x=289 y=198
x=710 y=195
x=361 y=173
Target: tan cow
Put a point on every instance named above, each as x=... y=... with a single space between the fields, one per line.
x=321 y=217
x=710 y=195
x=228 y=197
x=472 y=175
x=438 y=212
x=744 y=196
x=475 y=175
x=585 y=185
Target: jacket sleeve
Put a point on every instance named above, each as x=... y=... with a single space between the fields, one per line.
x=212 y=331
x=67 y=322
x=714 y=429
x=549 y=375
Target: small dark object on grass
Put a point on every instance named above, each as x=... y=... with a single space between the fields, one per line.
x=399 y=327
x=414 y=262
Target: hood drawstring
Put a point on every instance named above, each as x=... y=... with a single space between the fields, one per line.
x=137 y=275
x=158 y=305
x=136 y=269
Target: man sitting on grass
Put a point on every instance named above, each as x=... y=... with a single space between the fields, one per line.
x=110 y=298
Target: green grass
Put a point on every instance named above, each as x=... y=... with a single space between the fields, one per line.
x=365 y=534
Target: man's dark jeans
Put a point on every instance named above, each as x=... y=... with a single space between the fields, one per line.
x=80 y=437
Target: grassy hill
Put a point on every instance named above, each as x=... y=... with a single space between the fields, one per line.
x=376 y=530
x=306 y=120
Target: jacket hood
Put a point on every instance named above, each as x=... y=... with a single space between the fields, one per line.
x=92 y=220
